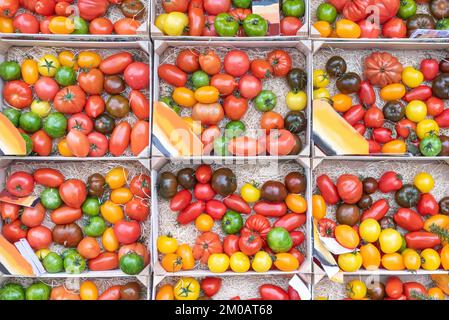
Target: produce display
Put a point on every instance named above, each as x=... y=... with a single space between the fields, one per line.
x=74 y=17
x=395 y=99
x=88 y=217
x=212 y=218
x=396 y=19
x=385 y=216
x=226 y=288
x=74 y=289
x=78 y=103
x=225 y=18
x=240 y=101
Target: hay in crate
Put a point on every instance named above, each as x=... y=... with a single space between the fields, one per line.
x=19 y=54
x=73 y=284
x=337 y=291
x=82 y=170
x=355 y=63
x=278 y=85
x=363 y=169
x=244 y=286
x=250 y=172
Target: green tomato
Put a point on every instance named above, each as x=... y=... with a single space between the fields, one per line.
x=226 y=25
x=232 y=222
x=50 y=198
x=265 y=101
x=234 y=129
x=81 y=26
x=12 y=291
x=255 y=25
x=296 y=101
x=245 y=4
x=41 y=108
x=326 y=12
x=131 y=263
x=95 y=227
x=53 y=263
x=91 y=206
x=169 y=102
x=10 y=70
x=65 y=76
x=407 y=9
x=221 y=146
x=293 y=8
x=430 y=146
x=13 y=115
x=30 y=122
x=55 y=125
x=38 y=291
x=74 y=263
x=200 y=79
x=279 y=240
x=28 y=143
x=443 y=24
x=68 y=252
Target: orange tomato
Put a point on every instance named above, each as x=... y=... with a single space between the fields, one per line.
x=286 y=262
x=109 y=240
x=165 y=292
x=186 y=254
x=61 y=293
x=395 y=147
x=88 y=291
x=371 y=256
x=172 y=262
x=342 y=102
x=204 y=222
x=324 y=28
x=63 y=148
x=347 y=236
x=444 y=255
x=111 y=212
x=438 y=220
x=126 y=26
x=436 y=293
x=6 y=25
x=89 y=248
x=116 y=178
x=296 y=203
x=67 y=58
x=318 y=207
x=394 y=91
x=347 y=29
x=393 y=261
x=121 y=195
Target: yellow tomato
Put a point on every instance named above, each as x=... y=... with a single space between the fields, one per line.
x=239 y=262
x=167 y=244
x=435 y=293
x=111 y=212
x=195 y=126
x=424 y=182
x=342 y=102
x=396 y=146
x=204 y=222
x=42 y=253
x=369 y=230
x=218 y=262
x=262 y=262
x=88 y=59
x=318 y=207
x=412 y=260
x=416 y=110
x=390 y=240
x=430 y=259
x=6 y=25
x=184 y=97
x=286 y=262
x=321 y=93
x=207 y=94
x=347 y=236
x=67 y=58
x=296 y=101
x=350 y=262
x=186 y=254
x=393 y=261
x=187 y=289
x=109 y=240
x=391 y=92
x=370 y=256
x=116 y=178
x=175 y=23
x=41 y=108
x=160 y=21
x=348 y=29
x=296 y=203
x=250 y=193
x=412 y=77
x=165 y=292
x=444 y=255
x=29 y=70
x=426 y=127
x=61 y=25
x=47 y=65
x=324 y=28
x=356 y=289
x=88 y=291
x=121 y=195
x=63 y=148
x=320 y=79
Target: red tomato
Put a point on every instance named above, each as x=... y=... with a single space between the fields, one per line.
x=214 y=7
x=210 y=286
x=14 y=231
x=209 y=27
x=44 y=26
x=390 y=181
x=393 y=287
x=250 y=242
x=127 y=232
x=236 y=63
x=18 y=94
x=73 y=192
x=78 y=143
x=63 y=8
x=39 y=237
x=101 y=26
x=91 y=81
x=80 y=122
x=112 y=293
x=408 y=219
x=354 y=114
x=140 y=136
x=261 y=68
x=187 y=60
x=26 y=23
x=137 y=75
x=191 y=212
x=172 y=75
x=290 y=26
x=45 y=7
x=327 y=189
x=216 y=209
x=387 y=9
x=46 y=88
x=42 y=143
x=281 y=62
x=435 y=106
x=28 y=4
x=126 y=26
x=70 y=100
x=33 y=216
x=203 y=191
x=404 y=127
x=427 y=205
x=119 y=140
x=414 y=290
x=94 y=106
x=9 y=211
x=290 y=221
x=360 y=128
x=270 y=209
x=382 y=135
x=48 y=177
x=249 y=86
x=280 y=143
x=105 y=261
x=181 y=200
x=8 y=8
x=374 y=118
x=140 y=105
x=258 y=223
x=272 y=292
x=175 y=5
x=298 y=237
x=140 y=186
x=65 y=215
x=377 y=211
x=293 y=294
x=369 y=29
x=271 y=120
x=326 y=227
x=430 y=68
x=197 y=20
x=91 y=9
x=137 y=209
x=355 y=10
x=235 y=107
x=98 y=144
x=236 y=203
x=231 y=244
x=210 y=62
x=225 y=83
x=20 y=184
x=395 y=28
x=116 y=63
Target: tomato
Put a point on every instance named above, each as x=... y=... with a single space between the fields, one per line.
x=137 y=75
x=172 y=75
x=61 y=25
x=327 y=189
x=424 y=182
x=70 y=100
x=112 y=293
x=435 y=106
x=111 y=212
x=90 y=60
x=218 y=262
x=369 y=29
x=9 y=211
x=204 y=222
x=187 y=60
x=394 y=147
x=349 y=188
x=175 y=5
x=374 y=117
x=395 y=28
x=105 y=261
x=91 y=9
x=121 y=196
x=296 y=101
x=6 y=25
x=394 y=91
x=261 y=68
x=286 y=262
x=414 y=290
x=371 y=256
x=236 y=63
x=324 y=28
x=46 y=88
x=320 y=78
x=318 y=207
x=63 y=148
x=63 y=8
x=271 y=120
x=206 y=244
x=280 y=143
x=214 y=7
x=184 y=97
x=187 y=289
x=80 y=122
x=430 y=259
x=73 y=192
x=89 y=248
x=239 y=262
x=390 y=240
x=39 y=237
x=249 y=86
x=412 y=77
x=280 y=61
x=342 y=102
x=262 y=262
x=65 y=215
x=78 y=143
x=185 y=252
x=347 y=29
x=139 y=137
x=347 y=236
x=8 y=8
x=225 y=83
x=404 y=127
x=140 y=105
x=416 y=110
x=88 y=291
x=26 y=23
x=165 y=292
x=101 y=26
x=216 y=209
x=94 y=106
x=296 y=203
x=436 y=293
x=116 y=178
x=369 y=230
x=109 y=240
x=127 y=231
x=272 y=292
x=408 y=219
x=14 y=231
x=350 y=262
x=20 y=184
x=203 y=191
x=290 y=26
x=91 y=81
x=119 y=139
x=18 y=94
x=210 y=63
x=211 y=285
x=412 y=260
x=394 y=287
x=207 y=94
x=137 y=209
x=356 y=289
x=114 y=64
